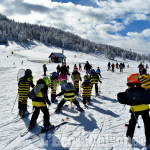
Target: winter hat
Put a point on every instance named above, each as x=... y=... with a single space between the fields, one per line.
x=28 y=72
x=47 y=81
x=133 y=78
x=75 y=69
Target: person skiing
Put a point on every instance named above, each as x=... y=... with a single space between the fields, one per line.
x=75 y=68
x=76 y=78
x=69 y=95
x=44 y=69
x=39 y=103
x=87 y=67
x=80 y=67
x=57 y=68
x=117 y=65
x=87 y=89
x=54 y=82
x=98 y=71
x=136 y=108
x=62 y=72
x=113 y=67
x=94 y=78
x=24 y=85
x=109 y=65
x=121 y=67
x=140 y=66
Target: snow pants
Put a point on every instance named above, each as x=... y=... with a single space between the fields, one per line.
x=133 y=121
x=86 y=99
x=36 y=114
x=60 y=105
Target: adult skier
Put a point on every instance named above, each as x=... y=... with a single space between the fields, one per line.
x=69 y=95
x=39 y=103
x=44 y=69
x=87 y=67
x=113 y=67
x=109 y=65
x=140 y=66
x=63 y=72
x=24 y=85
x=137 y=108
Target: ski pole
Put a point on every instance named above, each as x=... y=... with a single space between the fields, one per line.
x=135 y=118
x=14 y=103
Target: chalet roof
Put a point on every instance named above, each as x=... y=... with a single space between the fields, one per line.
x=57 y=55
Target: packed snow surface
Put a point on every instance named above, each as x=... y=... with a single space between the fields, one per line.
x=100 y=127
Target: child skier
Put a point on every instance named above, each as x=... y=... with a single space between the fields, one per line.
x=54 y=83
x=69 y=95
x=23 y=90
x=87 y=88
x=76 y=78
x=94 y=78
x=137 y=108
x=39 y=103
x=98 y=71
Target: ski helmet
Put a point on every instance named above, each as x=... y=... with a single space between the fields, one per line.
x=47 y=81
x=67 y=86
x=28 y=72
x=133 y=78
x=54 y=74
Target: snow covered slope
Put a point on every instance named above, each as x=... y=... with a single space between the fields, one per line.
x=101 y=127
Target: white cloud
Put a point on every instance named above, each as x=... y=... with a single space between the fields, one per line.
x=94 y=24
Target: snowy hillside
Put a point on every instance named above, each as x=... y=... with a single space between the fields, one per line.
x=101 y=127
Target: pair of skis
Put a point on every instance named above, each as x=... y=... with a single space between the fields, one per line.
x=43 y=130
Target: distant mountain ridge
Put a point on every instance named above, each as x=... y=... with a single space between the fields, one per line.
x=25 y=32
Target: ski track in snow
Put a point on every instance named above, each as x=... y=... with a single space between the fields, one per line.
x=100 y=127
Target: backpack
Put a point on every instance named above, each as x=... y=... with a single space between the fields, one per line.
x=145 y=81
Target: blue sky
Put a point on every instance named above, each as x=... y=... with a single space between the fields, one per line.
x=120 y=23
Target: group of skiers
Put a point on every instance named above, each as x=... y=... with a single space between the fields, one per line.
x=138 y=84
x=112 y=66
x=39 y=93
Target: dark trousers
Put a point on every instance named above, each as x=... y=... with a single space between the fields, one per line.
x=22 y=106
x=36 y=114
x=96 y=88
x=60 y=105
x=132 y=123
x=86 y=99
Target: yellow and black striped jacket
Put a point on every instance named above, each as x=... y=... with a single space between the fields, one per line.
x=54 y=83
x=94 y=78
x=69 y=95
x=24 y=88
x=145 y=81
x=41 y=98
x=87 y=88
